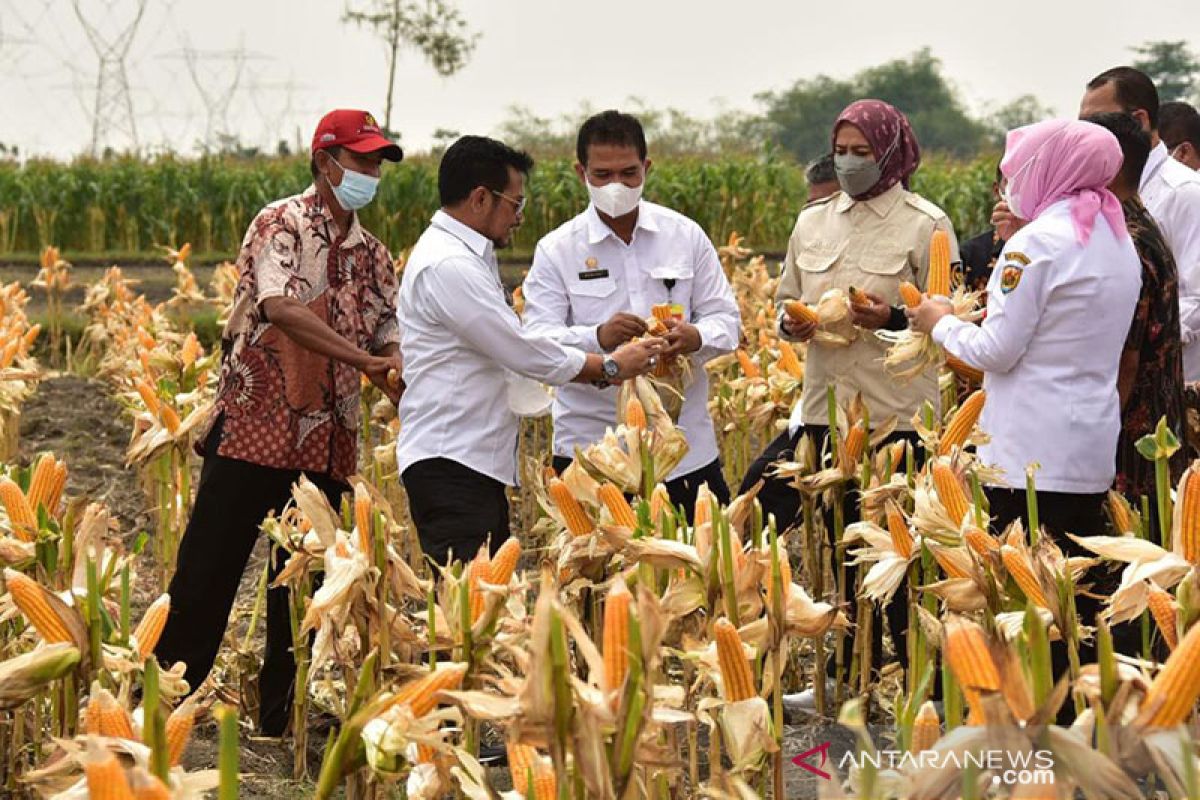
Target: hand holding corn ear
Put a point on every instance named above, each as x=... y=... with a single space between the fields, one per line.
x=868 y=310
x=926 y=315
x=385 y=372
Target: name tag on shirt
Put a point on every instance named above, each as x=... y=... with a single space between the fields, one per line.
x=593 y=274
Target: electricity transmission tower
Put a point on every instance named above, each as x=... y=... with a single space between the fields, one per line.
x=113 y=120
x=217 y=76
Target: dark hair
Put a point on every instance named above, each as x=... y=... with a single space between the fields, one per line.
x=333 y=151
x=477 y=161
x=1179 y=122
x=1135 y=143
x=821 y=170
x=1134 y=90
x=610 y=127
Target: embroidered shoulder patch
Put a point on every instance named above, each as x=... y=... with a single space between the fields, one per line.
x=1010 y=277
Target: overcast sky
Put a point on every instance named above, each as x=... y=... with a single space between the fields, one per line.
x=548 y=55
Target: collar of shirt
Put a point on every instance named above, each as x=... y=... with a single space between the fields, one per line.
x=881 y=204
x=1158 y=157
x=598 y=230
x=354 y=236
x=479 y=244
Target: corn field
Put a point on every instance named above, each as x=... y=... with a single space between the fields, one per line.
x=131 y=206
x=614 y=648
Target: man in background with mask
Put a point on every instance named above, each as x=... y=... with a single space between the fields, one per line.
x=314 y=310
x=1179 y=127
x=595 y=279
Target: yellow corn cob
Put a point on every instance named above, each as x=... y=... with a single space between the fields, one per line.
x=525 y=761
x=635 y=414
x=950 y=492
x=105 y=716
x=9 y=353
x=661 y=311
x=618 y=507
x=858 y=298
x=504 y=563
x=1162 y=606
x=577 y=520
x=962 y=422
x=421 y=695
x=1174 y=690
x=151 y=627
x=964 y=370
x=106 y=779
x=703 y=512
x=785 y=573
x=1120 y=512
x=148 y=395
x=856 y=442
x=42 y=482
x=20 y=515
x=148 y=787
x=1188 y=503
x=660 y=501
x=983 y=543
x=30 y=597
x=169 y=417
x=927 y=728
x=425 y=754
x=800 y=312
x=749 y=368
x=31 y=336
x=57 y=487
x=789 y=362
x=145 y=339
x=967 y=654
x=951 y=560
x=616 y=636
x=902 y=540
x=910 y=294
x=179 y=729
x=144 y=358
x=735 y=668
x=190 y=350
x=939 y=264
x=363 y=518
x=479 y=571
x=1019 y=569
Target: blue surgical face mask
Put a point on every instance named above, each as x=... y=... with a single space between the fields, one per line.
x=355 y=190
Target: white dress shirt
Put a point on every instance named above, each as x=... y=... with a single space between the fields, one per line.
x=1057 y=317
x=583 y=274
x=458 y=338
x=1171 y=192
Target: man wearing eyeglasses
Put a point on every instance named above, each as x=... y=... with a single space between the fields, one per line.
x=463 y=346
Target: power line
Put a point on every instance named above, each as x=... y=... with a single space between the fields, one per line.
x=112 y=109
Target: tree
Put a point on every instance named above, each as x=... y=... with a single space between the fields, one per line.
x=1172 y=66
x=436 y=28
x=1025 y=110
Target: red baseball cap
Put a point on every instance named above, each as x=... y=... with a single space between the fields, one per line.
x=355 y=130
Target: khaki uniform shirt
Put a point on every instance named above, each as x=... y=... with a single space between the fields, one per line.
x=873 y=244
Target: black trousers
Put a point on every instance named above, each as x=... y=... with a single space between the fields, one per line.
x=455 y=509
x=779 y=497
x=232 y=500
x=682 y=490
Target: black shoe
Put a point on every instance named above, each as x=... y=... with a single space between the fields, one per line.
x=493 y=755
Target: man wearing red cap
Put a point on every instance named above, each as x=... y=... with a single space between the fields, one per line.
x=315 y=308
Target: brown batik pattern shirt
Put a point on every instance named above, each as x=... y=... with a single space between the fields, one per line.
x=285 y=406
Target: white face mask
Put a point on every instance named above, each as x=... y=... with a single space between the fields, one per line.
x=615 y=198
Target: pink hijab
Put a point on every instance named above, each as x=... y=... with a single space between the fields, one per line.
x=1060 y=160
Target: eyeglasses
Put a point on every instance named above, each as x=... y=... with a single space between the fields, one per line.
x=519 y=203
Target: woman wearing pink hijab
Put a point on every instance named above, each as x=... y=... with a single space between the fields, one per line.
x=1059 y=306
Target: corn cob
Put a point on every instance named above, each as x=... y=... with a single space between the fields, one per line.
x=179 y=729
x=57 y=487
x=20 y=515
x=1174 y=690
x=983 y=543
x=953 y=561
x=1188 y=505
x=801 y=312
x=966 y=652
x=576 y=519
x=616 y=636
x=42 y=482
x=144 y=359
x=661 y=311
x=703 y=512
x=939 y=264
x=735 y=668
x=962 y=423
x=1020 y=571
x=504 y=563
x=106 y=778
x=190 y=350
x=785 y=573
x=170 y=418
x=31 y=336
x=145 y=339
x=902 y=540
x=363 y=518
x=927 y=728
x=858 y=298
x=30 y=597
x=660 y=501
x=635 y=414
x=148 y=395
x=479 y=571
x=525 y=761
x=9 y=353
x=964 y=370
x=104 y=716
x=618 y=507
x=1162 y=606
x=425 y=754
x=151 y=626
x=421 y=695
x=856 y=443
x=910 y=294
x=950 y=492
x=1121 y=513
x=789 y=362
x=749 y=368
x=148 y=787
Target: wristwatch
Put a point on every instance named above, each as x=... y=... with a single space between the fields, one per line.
x=610 y=370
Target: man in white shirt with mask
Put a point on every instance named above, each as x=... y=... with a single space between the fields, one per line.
x=595 y=279
x=462 y=344
x=1169 y=189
